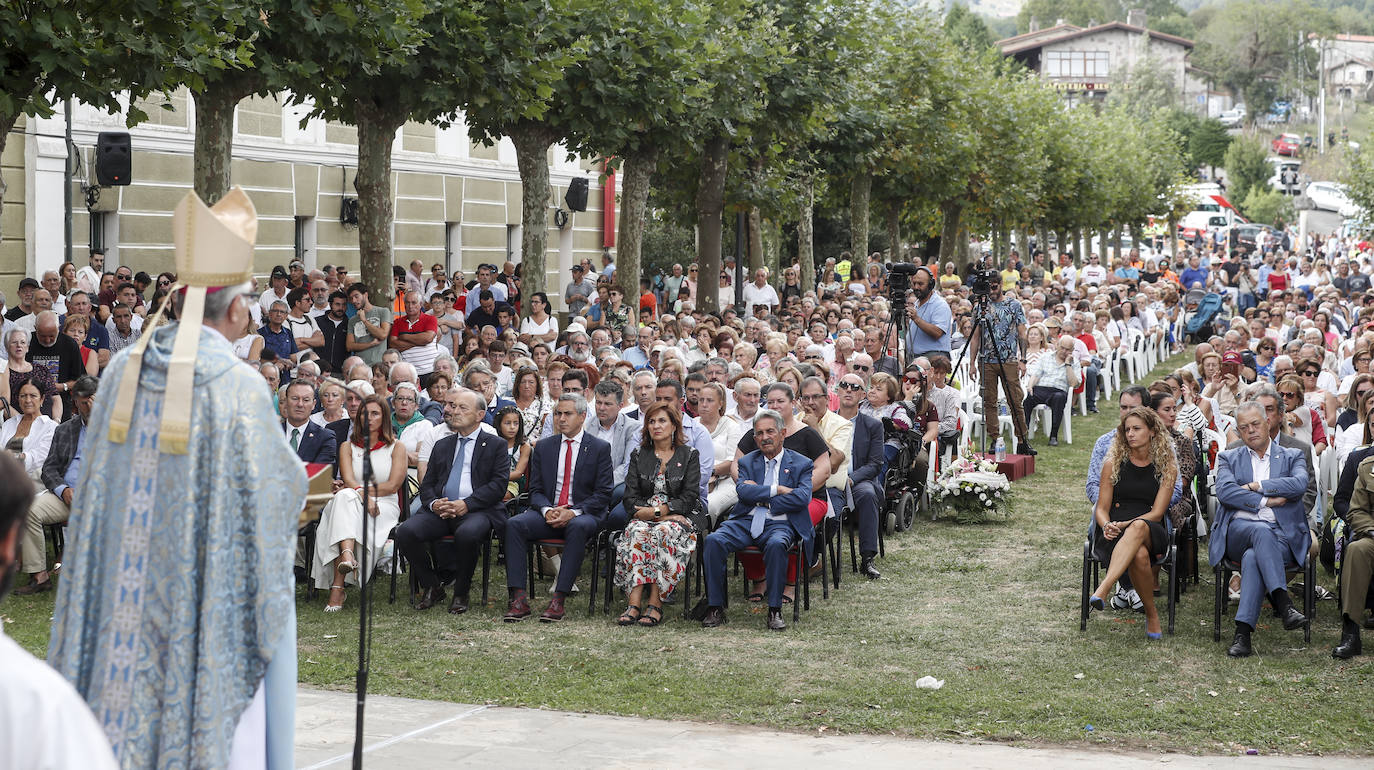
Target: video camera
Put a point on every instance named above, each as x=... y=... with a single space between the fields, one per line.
x=983 y=280
x=899 y=282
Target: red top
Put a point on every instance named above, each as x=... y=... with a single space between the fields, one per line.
x=424 y=323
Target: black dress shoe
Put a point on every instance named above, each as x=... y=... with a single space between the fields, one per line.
x=459 y=605
x=1349 y=646
x=430 y=597
x=1025 y=449
x=715 y=616
x=1293 y=619
x=867 y=569
x=775 y=621
x=1240 y=647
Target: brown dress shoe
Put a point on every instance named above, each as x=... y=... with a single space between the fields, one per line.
x=34 y=588
x=518 y=610
x=715 y=616
x=554 y=612
x=430 y=597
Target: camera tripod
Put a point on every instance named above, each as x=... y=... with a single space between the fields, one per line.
x=982 y=325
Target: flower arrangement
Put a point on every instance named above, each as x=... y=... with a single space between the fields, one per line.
x=973 y=490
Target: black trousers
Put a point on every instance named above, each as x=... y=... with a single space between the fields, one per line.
x=415 y=535
x=1055 y=398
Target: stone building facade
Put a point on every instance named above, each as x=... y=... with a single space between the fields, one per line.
x=457 y=202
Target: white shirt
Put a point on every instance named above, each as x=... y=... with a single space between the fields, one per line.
x=498 y=293
x=1093 y=274
x=533 y=327
x=36 y=444
x=88 y=279
x=302 y=327
x=465 y=472
x=268 y=297
x=44 y=723
x=558 y=478
x=1259 y=471
x=755 y=295
x=436 y=432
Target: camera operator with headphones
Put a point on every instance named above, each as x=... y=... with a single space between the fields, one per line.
x=931 y=319
x=1004 y=360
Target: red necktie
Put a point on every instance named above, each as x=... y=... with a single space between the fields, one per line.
x=567 y=475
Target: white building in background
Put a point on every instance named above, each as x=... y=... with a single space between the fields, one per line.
x=457 y=203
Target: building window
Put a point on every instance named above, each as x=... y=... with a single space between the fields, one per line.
x=1076 y=64
x=305 y=241
x=97 y=219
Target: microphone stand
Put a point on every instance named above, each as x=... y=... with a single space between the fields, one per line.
x=364 y=608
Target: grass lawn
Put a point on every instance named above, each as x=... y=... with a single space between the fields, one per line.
x=992 y=610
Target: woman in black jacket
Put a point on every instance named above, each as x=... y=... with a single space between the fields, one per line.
x=662 y=494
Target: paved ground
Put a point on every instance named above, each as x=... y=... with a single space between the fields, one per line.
x=414 y=734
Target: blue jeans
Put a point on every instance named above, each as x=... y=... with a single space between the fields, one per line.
x=1261 y=551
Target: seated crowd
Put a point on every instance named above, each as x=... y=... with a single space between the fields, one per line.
x=688 y=432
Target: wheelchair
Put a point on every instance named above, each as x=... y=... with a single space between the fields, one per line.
x=902 y=484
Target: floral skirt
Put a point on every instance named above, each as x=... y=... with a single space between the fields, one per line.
x=653 y=553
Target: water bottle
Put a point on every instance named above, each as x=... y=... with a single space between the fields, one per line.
x=1000 y=450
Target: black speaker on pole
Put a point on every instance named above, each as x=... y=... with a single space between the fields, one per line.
x=577 y=194
x=113 y=158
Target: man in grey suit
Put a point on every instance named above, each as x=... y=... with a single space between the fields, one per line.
x=1274 y=413
x=622 y=432
x=865 y=470
x=1260 y=522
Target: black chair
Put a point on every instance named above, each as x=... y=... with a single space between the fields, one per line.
x=409 y=491
x=57 y=535
x=1092 y=575
x=1222 y=574
x=513 y=506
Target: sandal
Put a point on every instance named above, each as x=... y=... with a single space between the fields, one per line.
x=334 y=607
x=788 y=599
x=649 y=620
x=346 y=567
x=626 y=619
x=756 y=594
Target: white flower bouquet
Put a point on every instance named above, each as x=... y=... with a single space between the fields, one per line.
x=973 y=490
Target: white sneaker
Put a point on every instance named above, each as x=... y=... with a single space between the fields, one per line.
x=1121 y=599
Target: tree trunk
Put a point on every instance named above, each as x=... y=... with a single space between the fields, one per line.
x=1116 y=243
x=214 y=141
x=1172 y=235
x=7 y=122
x=950 y=213
x=859 y=190
x=806 y=237
x=376 y=207
x=755 y=220
x=1102 y=237
x=636 y=174
x=1042 y=237
x=710 y=204
x=1082 y=245
x=894 y=232
x=532 y=141
x=770 y=235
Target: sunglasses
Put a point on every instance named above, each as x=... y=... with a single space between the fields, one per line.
x=1290 y=394
x=1310 y=374
x=912 y=380
x=860 y=368
x=851 y=386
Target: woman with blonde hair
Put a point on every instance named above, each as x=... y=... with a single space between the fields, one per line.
x=1137 y=482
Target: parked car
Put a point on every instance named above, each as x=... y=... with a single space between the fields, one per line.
x=1249 y=235
x=1286 y=144
x=1331 y=196
x=1232 y=118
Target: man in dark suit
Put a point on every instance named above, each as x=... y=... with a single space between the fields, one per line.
x=570 y=487
x=313 y=444
x=61 y=470
x=865 y=470
x=774 y=497
x=461 y=496
x=1260 y=522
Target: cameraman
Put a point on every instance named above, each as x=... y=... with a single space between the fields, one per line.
x=928 y=331
x=1007 y=322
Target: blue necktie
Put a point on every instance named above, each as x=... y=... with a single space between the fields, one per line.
x=453 y=489
x=761 y=512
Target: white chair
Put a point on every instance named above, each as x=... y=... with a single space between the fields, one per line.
x=1042 y=414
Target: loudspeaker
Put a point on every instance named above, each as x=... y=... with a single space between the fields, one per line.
x=348 y=211
x=577 y=194
x=113 y=158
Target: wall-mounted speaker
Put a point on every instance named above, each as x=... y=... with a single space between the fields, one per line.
x=348 y=211
x=577 y=194
x=113 y=158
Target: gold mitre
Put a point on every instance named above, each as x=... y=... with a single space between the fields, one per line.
x=214 y=250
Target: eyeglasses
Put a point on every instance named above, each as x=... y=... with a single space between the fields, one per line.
x=1290 y=394
x=851 y=386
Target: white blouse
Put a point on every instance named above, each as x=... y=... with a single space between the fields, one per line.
x=36 y=444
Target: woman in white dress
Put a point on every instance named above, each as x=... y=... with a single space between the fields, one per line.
x=725 y=435
x=249 y=345
x=342 y=521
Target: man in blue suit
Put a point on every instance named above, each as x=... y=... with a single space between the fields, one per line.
x=774 y=494
x=461 y=496
x=570 y=487
x=1260 y=523
x=865 y=469
x=313 y=444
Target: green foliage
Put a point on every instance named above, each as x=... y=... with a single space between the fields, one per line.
x=666 y=241
x=1250 y=46
x=1246 y=168
x=1209 y=143
x=967 y=29
x=1047 y=12
x=1267 y=206
x=1359 y=176
x=1145 y=89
